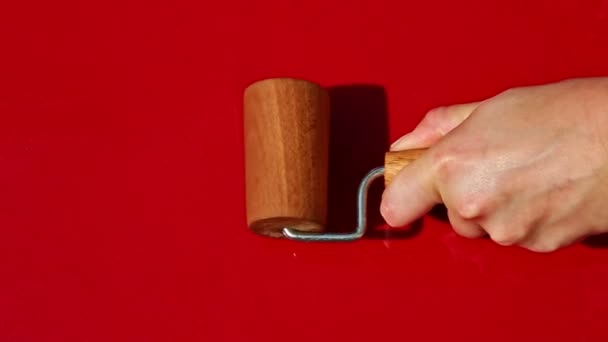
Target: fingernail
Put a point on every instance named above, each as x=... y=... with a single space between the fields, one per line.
x=398 y=144
x=385 y=210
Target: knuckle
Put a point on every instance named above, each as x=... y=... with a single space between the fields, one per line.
x=445 y=163
x=506 y=236
x=472 y=206
x=467 y=231
x=435 y=120
x=543 y=247
x=503 y=239
x=435 y=115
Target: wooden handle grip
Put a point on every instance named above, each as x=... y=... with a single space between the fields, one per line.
x=286 y=155
x=397 y=160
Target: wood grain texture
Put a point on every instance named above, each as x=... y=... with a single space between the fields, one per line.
x=286 y=127
x=394 y=161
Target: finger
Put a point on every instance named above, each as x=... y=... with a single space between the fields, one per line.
x=436 y=124
x=545 y=244
x=411 y=194
x=463 y=227
x=549 y=239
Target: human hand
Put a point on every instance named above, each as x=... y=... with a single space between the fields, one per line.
x=527 y=167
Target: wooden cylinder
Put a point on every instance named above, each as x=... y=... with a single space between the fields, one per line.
x=397 y=160
x=286 y=126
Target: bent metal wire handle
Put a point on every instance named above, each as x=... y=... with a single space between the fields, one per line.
x=393 y=163
x=361 y=216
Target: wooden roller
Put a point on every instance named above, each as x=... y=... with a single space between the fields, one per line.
x=286 y=127
x=286 y=148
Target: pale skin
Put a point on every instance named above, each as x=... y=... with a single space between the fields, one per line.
x=527 y=167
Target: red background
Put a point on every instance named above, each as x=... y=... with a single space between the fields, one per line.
x=122 y=212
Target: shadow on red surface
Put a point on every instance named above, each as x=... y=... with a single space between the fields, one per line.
x=358 y=141
x=597 y=241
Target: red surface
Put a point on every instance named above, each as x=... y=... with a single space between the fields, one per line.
x=122 y=211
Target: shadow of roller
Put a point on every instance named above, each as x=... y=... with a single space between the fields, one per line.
x=359 y=138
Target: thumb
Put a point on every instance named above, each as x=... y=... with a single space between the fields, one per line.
x=411 y=194
x=436 y=123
